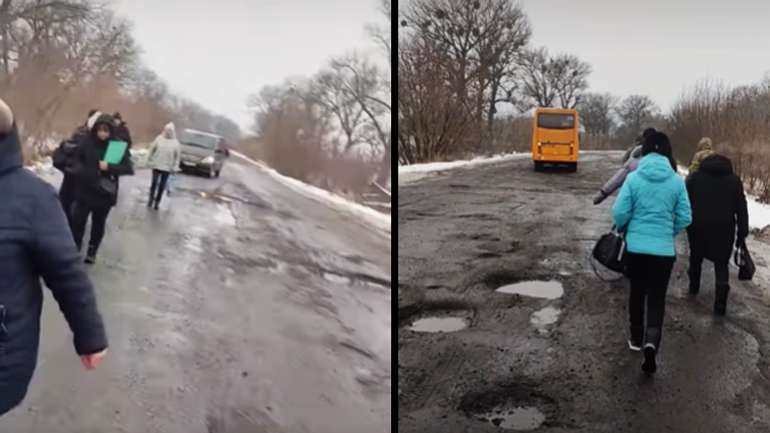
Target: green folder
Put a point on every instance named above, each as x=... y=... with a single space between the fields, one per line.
x=115 y=152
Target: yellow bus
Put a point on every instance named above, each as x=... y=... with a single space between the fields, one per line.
x=555 y=137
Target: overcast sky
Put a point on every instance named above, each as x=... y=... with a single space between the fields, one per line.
x=218 y=52
x=657 y=47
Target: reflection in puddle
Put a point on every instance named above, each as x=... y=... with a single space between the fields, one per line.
x=546 y=316
x=224 y=216
x=536 y=289
x=439 y=324
x=517 y=418
x=337 y=279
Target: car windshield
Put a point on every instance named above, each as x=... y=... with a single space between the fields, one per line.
x=556 y=121
x=199 y=140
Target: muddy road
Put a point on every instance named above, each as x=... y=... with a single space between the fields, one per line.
x=239 y=307
x=553 y=357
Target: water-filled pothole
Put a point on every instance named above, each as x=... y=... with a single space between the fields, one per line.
x=536 y=289
x=515 y=418
x=439 y=324
x=542 y=318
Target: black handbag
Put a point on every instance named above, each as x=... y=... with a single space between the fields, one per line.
x=743 y=260
x=108 y=186
x=610 y=250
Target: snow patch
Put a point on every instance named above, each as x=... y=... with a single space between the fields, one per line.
x=414 y=172
x=377 y=219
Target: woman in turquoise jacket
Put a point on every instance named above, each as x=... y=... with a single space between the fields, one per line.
x=652 y=208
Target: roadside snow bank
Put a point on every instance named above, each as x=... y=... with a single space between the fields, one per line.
x=411 y=173
x=377 y=219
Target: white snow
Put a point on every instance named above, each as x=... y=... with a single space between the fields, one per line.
x=759 y=213
x=411 y=173
x=377 y=219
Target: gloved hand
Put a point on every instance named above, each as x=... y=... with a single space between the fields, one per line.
x=599 y=197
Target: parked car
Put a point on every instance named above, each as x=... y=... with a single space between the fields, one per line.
x=202 y=152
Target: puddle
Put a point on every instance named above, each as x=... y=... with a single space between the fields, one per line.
x=542 y=318
x=439 y=324
x=337 y=279
x=224 y=215
x=535 y=289
x=517 y=418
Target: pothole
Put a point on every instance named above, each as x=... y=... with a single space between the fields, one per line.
x=439 y=324
x=516 y=418
x=541 y=319
x=513 y=406
x=535 y=289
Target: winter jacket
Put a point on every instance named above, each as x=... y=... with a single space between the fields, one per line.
x=90 y=182
x=123 y=134
x=718 y=207
x=165 y=152
x=653 y=207
x=35 y=242
x=617 y=179
x=704 y=151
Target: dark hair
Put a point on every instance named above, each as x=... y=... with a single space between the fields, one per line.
x=117 y=116
x=647 y=132
x=658 y=142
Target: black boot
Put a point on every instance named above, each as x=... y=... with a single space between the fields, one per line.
x=694 y=282
x=636 y=338
x=91 y=256
x=651 y=347
x=720 y=299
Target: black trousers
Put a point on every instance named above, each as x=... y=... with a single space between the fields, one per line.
x=721 y=269
x=80 y=213
x=159 y=180
x=67 y=196
x=649 y=277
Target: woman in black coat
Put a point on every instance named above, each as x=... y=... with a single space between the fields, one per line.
x=718 y=207
x=97 y=184
x=35 y=243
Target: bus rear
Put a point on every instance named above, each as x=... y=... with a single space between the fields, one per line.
x=555 y=138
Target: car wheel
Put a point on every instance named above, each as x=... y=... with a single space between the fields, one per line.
x=538 y=166
x=218 y=172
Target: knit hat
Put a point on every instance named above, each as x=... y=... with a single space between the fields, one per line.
x=6 y=118
x=656 y=142
x=92 y=120
x=705 y=144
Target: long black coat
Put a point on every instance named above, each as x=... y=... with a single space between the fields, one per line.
x=718 y=208
x=122 y=133
x=91 y=150
x=35 y=242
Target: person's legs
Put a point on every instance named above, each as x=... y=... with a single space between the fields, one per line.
x=696 y=264
x=162 y=187
x=722 y=287
x=153 y=185
x=98 y=222
x=659 y=269
x=78 y=222
x=636 y=273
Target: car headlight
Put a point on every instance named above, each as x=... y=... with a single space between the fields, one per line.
x=208 y=160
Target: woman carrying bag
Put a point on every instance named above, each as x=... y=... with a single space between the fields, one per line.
x=653 y=207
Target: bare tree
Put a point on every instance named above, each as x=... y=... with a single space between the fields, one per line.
x=635 y=111
x=596 y=112
x=551 y=81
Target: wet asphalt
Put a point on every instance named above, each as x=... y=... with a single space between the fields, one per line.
x=238 y=307
x=558 y=363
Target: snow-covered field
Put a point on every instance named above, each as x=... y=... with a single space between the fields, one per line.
x=377 y=219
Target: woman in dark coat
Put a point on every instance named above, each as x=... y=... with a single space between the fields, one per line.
x=718 y=207
x=97 y=184
x=35 y=243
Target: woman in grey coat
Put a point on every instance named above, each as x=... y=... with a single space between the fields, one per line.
x=165 y=155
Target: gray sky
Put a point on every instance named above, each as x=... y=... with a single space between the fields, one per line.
x=657 y=47
x=218 y=52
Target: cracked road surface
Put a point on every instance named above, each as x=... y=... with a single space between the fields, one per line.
x=559 y=365
x=239 y=307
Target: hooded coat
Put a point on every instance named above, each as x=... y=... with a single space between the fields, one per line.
x=35 y=242
x=718 y=207
x=165 y=152
x=653 y=207
x=705 y=149
x=90 y=178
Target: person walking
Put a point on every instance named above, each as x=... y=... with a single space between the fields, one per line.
x=36 y=243
x=97 y=184
x=705 y=149
x=719 y=209
x=630 y=162
x=652 y=208
x=164 y=158
x=65 y=160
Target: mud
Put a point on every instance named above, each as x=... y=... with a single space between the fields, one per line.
x=465 y=233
